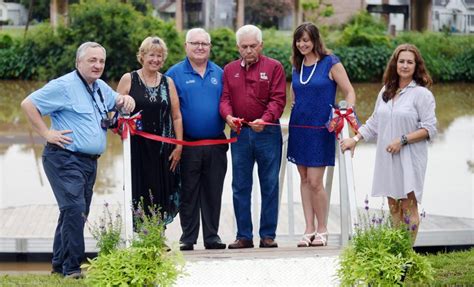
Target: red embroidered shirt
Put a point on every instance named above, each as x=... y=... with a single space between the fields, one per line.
x=256 y=93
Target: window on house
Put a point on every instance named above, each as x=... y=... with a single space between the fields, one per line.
x=470 y=20
x=441 y=2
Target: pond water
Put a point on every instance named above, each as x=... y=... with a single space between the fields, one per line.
x=448 y=184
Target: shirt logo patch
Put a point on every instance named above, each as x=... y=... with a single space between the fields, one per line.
x=236 y=75
x=263 y=76
x=190 y=81
x=214 y=81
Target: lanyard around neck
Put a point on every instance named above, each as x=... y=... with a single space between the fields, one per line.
x=91 y=92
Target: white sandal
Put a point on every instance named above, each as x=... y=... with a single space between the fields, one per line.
x=306 y=240
x=320 y=239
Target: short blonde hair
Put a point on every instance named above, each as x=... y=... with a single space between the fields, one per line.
x=149 y=44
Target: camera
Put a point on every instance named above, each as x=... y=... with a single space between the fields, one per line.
x=106 y=123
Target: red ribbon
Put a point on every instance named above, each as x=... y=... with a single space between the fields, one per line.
x=337 y=123
x=130 y=124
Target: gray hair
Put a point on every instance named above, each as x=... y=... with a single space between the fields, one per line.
x=248 y=30
x=197 y=31
x=81 y=51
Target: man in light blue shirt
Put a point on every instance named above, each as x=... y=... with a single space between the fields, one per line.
x=203 y=168
x=78 y=104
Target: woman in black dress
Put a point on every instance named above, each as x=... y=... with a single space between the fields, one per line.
x=155 y=165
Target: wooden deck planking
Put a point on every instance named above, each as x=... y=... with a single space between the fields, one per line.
x=31 y=228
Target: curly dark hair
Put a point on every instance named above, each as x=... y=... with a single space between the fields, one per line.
x=391 y=78
x=313 y=33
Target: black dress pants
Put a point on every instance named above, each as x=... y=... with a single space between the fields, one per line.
x=203 y=170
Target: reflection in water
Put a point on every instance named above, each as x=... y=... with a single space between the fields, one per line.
x=449 y=175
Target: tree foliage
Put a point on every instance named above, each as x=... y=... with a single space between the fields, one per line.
x=314 y=9
x=115 y=25
x=266 y=12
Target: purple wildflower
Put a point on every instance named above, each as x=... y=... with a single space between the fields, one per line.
x=423 y=214
x=413 y=227
x=145 y=231
x=406 y=219
x=366 y=201
x=151 y=195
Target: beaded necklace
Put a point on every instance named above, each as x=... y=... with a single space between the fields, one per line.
x=150 y=92
x=310 y=75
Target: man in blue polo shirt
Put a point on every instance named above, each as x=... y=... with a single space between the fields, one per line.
x=77 y=104
x=203 y=168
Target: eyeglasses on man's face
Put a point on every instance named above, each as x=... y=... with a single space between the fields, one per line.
x=202 y=44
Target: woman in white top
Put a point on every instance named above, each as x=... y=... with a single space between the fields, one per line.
x=403 y=122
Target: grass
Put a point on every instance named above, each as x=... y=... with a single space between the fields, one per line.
x=16 y=31
x=451 y=269
x=456 y=268
x=39 y=280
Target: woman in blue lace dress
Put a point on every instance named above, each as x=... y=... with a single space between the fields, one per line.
x=155 y=169
x=316 y=75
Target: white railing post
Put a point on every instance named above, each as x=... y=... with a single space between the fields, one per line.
x=346 y=186
x=127 y=188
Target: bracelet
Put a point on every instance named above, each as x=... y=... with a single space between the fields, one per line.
x=356 y=138
x=404 y=140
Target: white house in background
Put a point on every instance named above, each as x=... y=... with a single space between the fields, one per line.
x=13 y=13
x=455 y=15
x=434 y=15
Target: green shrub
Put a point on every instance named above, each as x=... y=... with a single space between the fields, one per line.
x=278 y=46
x=224 y=48
x=448 y=57
x=121 y=29
x=139 y=266
x=107 y=232
x=147 y=262
x=46 y=54
x=364 y=63
x=363 y=30
x=380 y=254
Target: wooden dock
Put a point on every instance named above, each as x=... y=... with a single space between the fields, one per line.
x=30 y=229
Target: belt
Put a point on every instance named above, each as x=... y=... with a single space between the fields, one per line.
x=76 y=153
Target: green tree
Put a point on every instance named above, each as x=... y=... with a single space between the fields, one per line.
x=115 y=25
x=314 y=9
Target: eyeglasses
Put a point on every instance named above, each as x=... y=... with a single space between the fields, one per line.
x=197 y=44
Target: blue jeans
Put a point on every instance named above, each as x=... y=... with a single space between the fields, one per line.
x=72 y=178
x=265 y=149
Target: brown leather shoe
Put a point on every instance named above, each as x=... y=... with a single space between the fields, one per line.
x=241 y=243
x=268 y=243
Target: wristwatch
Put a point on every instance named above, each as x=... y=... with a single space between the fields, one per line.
x=356 y=138
x=404 y=140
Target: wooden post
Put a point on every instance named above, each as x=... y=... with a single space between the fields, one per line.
x=30 y=13
x=297 y=14
x=179 y=15
x=58 y=11
x=240 y=13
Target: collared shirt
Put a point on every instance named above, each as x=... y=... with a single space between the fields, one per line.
x=256 y=93
x=396 y=175
x=199 y=99
x=71 y=107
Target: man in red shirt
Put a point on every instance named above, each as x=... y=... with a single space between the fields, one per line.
x=254 y=91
